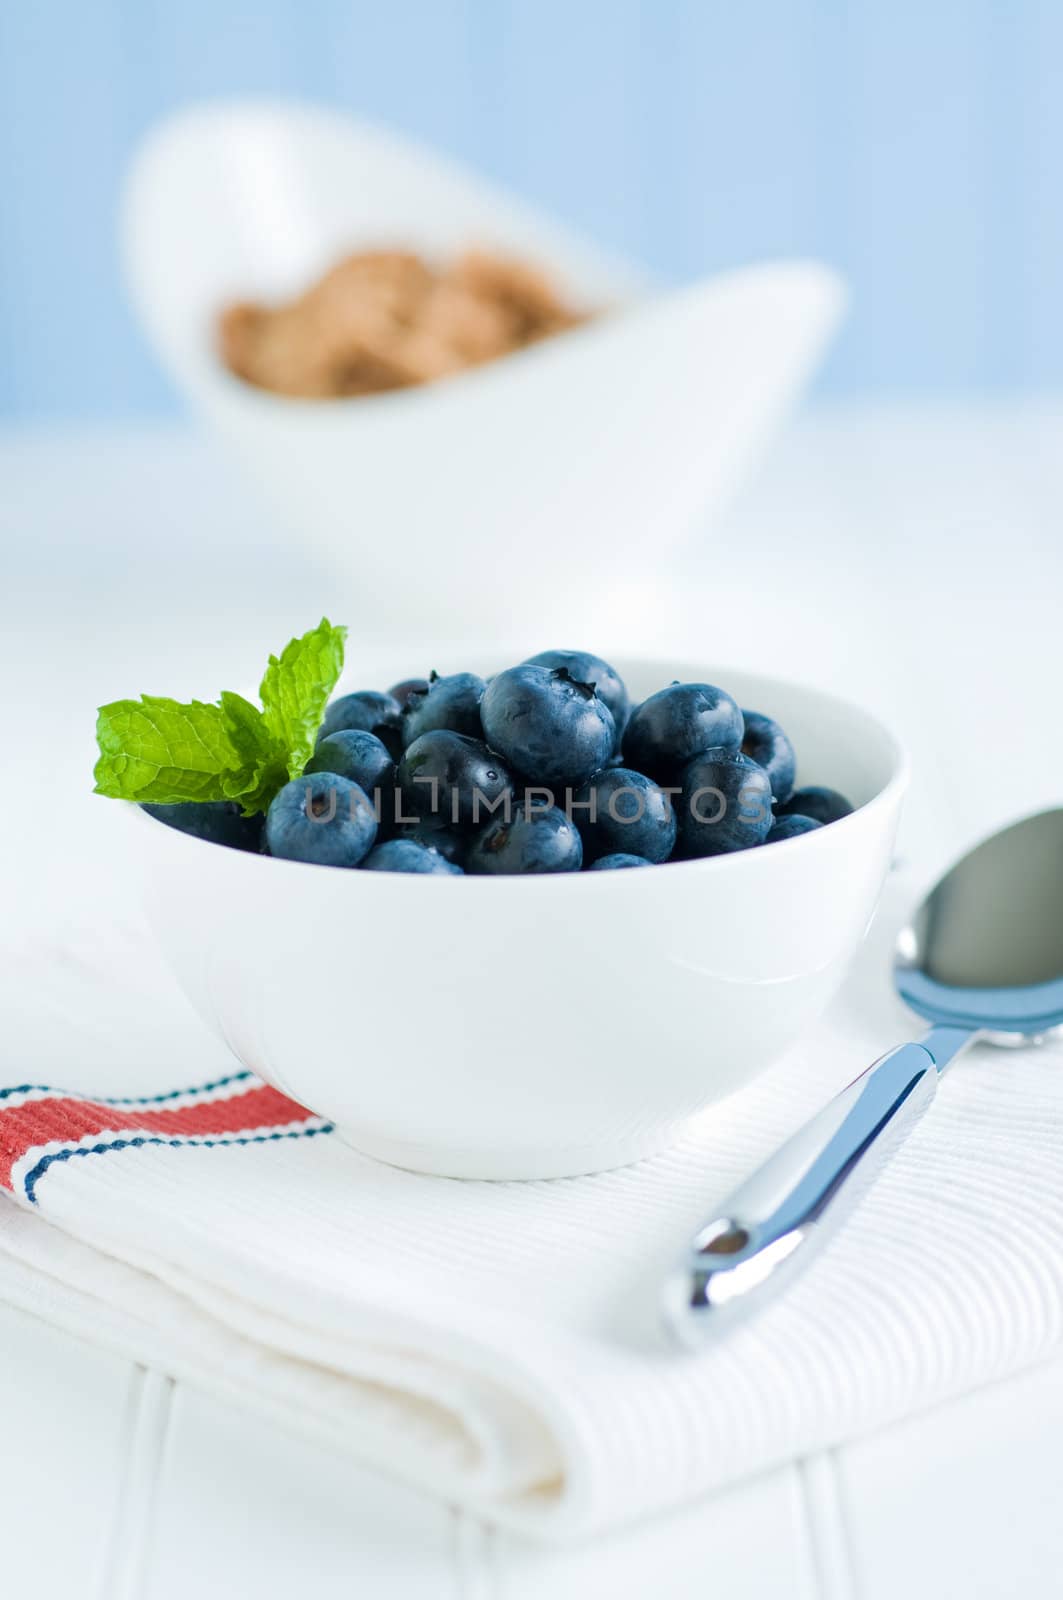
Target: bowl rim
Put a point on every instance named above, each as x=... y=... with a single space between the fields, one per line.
x=885 y=797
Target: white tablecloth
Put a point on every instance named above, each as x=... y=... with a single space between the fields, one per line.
x=911 y=556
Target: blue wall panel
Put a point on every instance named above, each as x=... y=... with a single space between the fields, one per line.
x=915 y=143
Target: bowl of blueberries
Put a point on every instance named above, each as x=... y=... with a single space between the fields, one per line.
x=524 y=919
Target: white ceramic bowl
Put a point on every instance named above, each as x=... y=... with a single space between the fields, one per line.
x=534 y=1027
x=520 y=489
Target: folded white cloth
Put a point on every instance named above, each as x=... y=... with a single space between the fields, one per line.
x=500 y=1343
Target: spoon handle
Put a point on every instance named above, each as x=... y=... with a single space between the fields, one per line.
x=771 y=1225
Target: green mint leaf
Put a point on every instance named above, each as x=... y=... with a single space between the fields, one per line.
x=296 y=688
x=264 y=767
x=159 y=750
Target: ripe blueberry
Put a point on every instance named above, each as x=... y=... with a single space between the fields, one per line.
x=408 y=855
x=540 y=840
x=619 y=859
x=623 y=811
x=403 y=692
x=217 y=821
x=592 y=669
x=822 y=805
x=450 y=780
x=452 y=702
x=322 y=818
x=548 y=725
x=765 y=743
x=725 y=804
x=448 y=841
x=356 y=755
x=791 y=827
x=369 y=711
x=677 y=723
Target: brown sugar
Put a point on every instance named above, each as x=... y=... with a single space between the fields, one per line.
x=388 y=319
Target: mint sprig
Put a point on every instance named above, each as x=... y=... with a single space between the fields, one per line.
x=162 y=751
x=295 y=691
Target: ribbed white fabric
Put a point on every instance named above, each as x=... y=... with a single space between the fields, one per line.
x=499 y=1343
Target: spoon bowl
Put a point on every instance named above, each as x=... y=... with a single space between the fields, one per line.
x=985 y=949
x=981 y=959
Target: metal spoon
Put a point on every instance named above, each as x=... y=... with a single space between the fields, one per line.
x=981 y=959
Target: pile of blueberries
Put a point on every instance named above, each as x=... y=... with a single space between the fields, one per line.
x=545 y=767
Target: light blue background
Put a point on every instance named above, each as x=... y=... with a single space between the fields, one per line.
x=915 y=143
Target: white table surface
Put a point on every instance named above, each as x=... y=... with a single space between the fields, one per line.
x=911 y=556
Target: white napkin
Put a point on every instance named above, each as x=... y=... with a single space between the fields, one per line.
x=499 y=1343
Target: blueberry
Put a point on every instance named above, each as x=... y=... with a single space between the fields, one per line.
x=618 y=859
x=791 y=827
x=677 y=723
x=356 y=755
x=725 y=804
x=533 y=840
x=408 y=855
x=766 y=744
x=218 y=821
x=822 y=805
x=403 y=692
x=323 y=818
x=448 y=841
x=623 y=811
x=592 y=669
x=369 y=711
x=548 y=725
x=451 y=780
x=452 y=702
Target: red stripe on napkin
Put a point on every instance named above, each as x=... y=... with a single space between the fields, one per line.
x=39 y=1122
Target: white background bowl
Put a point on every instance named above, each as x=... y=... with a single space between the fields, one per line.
x=526 y=488
x=534 y=1027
